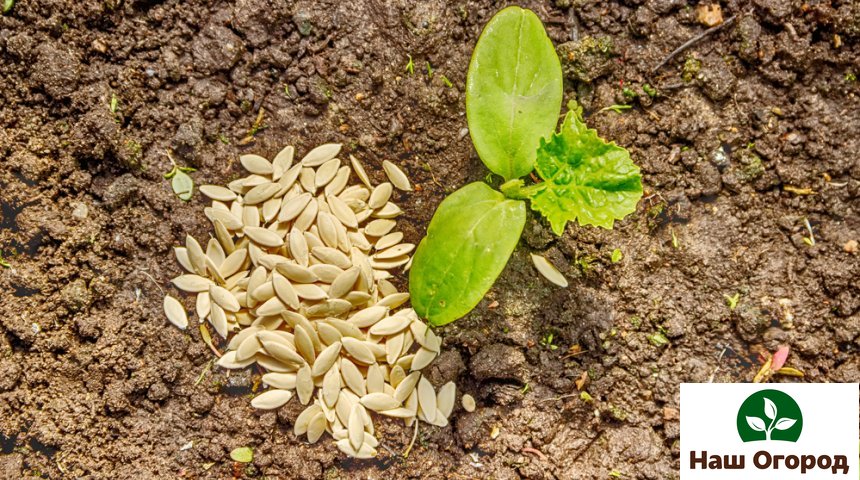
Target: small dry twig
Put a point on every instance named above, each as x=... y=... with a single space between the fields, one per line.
x=689 y=43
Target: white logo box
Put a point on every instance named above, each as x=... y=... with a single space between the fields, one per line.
x=830 y=428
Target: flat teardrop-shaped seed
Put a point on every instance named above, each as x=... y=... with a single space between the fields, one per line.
x=396 y=176
x=224 y=237
x=345 y=328
x=327 y=229
x=217 y=192
x=284 y=381
x=307 y=179
x=296 y=273
x=299 y=247
x=342 y=285
x=304 y=384
x=271 y=399
x=304 y=344
x=274 y=365
x=192 y=283
x=388 y=263
x=264 y=237
x=380 y=402
x=290 y=209
x=445 y=399
x=427 y=399
x=343 y=213
x=344 y=406
x=399 y=413
x=345 y=447
x=352 y=377
x=307 y=217
x=379 y=227
x=304 y=419
x=256 y=164
x=331 y=387
x=285 y=291
x=396 y=376
x=388 y=211
x=332 y=256
x=328 y=335
x=394 y=300
x=423 y=357
x=203 y=305
x=218 y=319
x=321 y=154
x=380 y=195
x=357 y=298
x=326 y=172
x=261 y=193
x=548 y=270
x=375 y=379
x=356 y=427
x=272 y=306
x=316 y=427
x=309 y=291
x=233 y=263
x=288 y=179
x=359 y=171
x=175 y=312
x=468 y=403
x=224 y=298
x=368 y=316
x=358 y=350
x=230 y=221
x=338 y=183
x=390 y=326
x=395 y=251
x=182 y=257
x=388 y=240
x=281 y=352
x=195 y=255
x=406 y=386
x=393 y=348
x=326 y=359
x=324 y=272
x=271 y=208
x=329 y=308
x=284 y=158
x=228 y=361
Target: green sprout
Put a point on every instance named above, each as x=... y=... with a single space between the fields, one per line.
x=410 y=67
x=429 y=71
x=446 y=81
x=616 y=255
x=180 y=181
x=616 y=108
x=732 y=300
x=547 y=341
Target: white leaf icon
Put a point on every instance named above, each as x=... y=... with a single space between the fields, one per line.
x=756 y=424
x=784 y=423
x=769 y=408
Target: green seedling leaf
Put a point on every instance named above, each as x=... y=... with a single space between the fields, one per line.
x=616 y=255
x=242 y=454
x=585 y=178
x=468 y=242
x=7 y=5
x=513 y=91
x=183 y=185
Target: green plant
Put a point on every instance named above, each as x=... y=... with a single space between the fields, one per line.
x=180 y=181
x=513 y=95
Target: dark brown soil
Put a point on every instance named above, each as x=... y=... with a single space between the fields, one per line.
x=95 y=384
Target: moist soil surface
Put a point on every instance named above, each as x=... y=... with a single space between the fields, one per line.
x=748 y=145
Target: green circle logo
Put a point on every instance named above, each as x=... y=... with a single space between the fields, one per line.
x=769 y=415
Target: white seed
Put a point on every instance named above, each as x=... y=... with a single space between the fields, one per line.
x=394 y=300
x=445 y=399
x=233 y=263
x=380 y=195
x=324 y=272
x=396 y=176
x=316 y=427
x=468 y=403
x=341 y=179
x=228 y=361
x=359 y=171
x=203 y=305
x=307 y=217
x=218 y=319
x=223 y=236
x=284 y=381
x=369 y=316
x=356 y=427
x=396 y=376
x=264 y=237
x=284 y=159
x=380 y=227
x=352 y=377
x=175 y=312
x=290 y=209
x=358 y=350
x=256 y=164
x=331 y=387
x=224 y=298
x=390 y=325
x=423 y=357
x=327 y=229
x=272 y=399
x=379 y=402
x=296 y=273
x=261 y=193
x=332 y=256
x=343 y=283
x=326 y=359
x=406 y=386
x=307 y=179
x=304 y=419
x=426 y=399
x=299 y=247
x=285 y=292
x=304 y=344
x=342 y=211
x=217 y=192
x=195 y=255
x=389 y=210
x=191 y=283
x=326 y=172
x=304 y=384
x=375 y=379
x=395 y=251
x=228 y=219
x=272 y=306
x=309 y=291
x=321 y=154
x=548 y=270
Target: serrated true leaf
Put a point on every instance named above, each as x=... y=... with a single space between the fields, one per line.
x=585 y=178
x=513 y=91
x=468 y=242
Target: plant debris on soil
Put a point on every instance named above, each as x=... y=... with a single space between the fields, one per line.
x=92 y=384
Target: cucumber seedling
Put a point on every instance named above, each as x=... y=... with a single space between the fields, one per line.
x=514 y=93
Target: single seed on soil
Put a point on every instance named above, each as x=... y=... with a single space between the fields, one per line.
x=256 y=164
x=468 y=403
x=396 y=176
x=548 y=270
x=271 y=399
x=175 y=312
x=321 y=154
x=360 y=172
x=192 y=283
